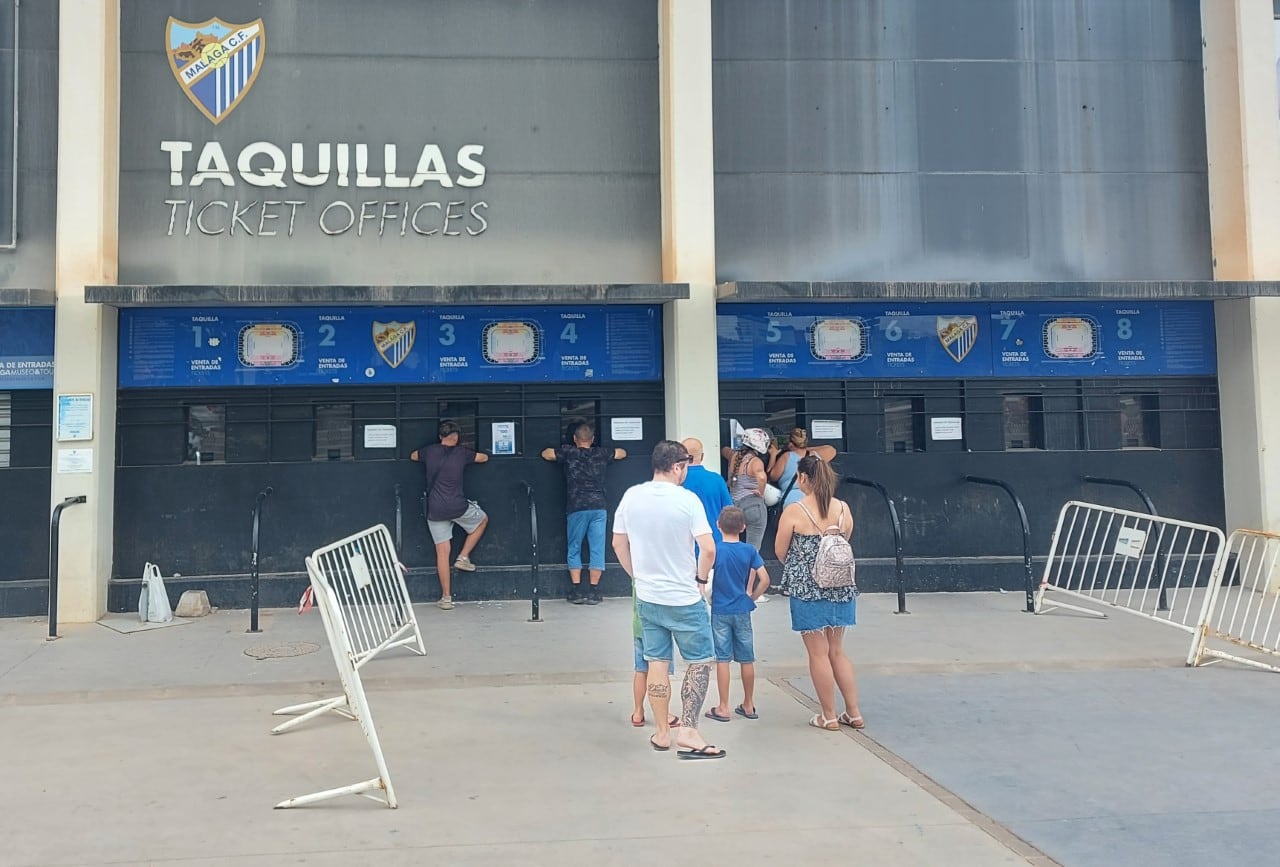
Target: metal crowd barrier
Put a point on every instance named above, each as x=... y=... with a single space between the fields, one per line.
x=1241 y=610
x=1151 y=509
x=353 y=703
x=1116 y=559
x=372 y=606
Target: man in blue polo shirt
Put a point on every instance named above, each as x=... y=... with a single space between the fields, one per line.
x=708 y=487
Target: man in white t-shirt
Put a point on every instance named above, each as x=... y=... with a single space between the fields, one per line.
x=654 y=532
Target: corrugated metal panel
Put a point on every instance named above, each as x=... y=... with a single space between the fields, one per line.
x=563 y=94
x=960 y=139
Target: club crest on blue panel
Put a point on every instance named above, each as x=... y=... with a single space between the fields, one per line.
x=394 y=340
x=957 y=334
x=215 y=62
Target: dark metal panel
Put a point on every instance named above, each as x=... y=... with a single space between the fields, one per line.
x=32 y=263
x=960 y=139
x=957 y=29
x=562 y=94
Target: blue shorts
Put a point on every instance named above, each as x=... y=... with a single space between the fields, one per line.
x=588 y=524
x=820 y=614
x=733 y=638
x=689 y=626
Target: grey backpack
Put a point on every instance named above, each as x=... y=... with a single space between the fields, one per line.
x=833 y=568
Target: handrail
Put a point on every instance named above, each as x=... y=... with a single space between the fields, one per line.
x=901 y=571
x=399 y=524
x=253 y=563
x=533 y=567
x=1163 y=603
x=53 y=560
x=1026 y=534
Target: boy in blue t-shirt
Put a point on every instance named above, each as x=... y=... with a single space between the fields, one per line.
x=737 y=581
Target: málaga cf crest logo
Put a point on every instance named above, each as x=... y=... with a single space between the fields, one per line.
x=215 y=62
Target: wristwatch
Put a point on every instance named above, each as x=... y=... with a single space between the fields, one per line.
x=701 y=580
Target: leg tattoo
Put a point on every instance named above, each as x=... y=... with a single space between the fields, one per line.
x=693 y=692
x=659 y=690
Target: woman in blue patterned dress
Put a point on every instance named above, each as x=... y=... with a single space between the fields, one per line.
x=819 y=615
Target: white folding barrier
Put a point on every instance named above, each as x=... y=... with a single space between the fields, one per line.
x=372 y=599
x=1242 y=608
x=355 y=705
x=1157 y=568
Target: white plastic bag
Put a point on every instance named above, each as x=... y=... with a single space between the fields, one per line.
x=153 y=602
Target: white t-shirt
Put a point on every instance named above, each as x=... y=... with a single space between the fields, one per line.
x=661 y=520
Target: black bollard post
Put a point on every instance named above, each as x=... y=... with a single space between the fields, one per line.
x=253 y=563
x=53 y=560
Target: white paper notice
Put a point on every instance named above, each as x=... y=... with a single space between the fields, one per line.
x=75 y=461
x=827 y=429
x=1129 y=541
x=379 y=436
x=504 y=438
x=75 y=417
x=627 y=429
x=947 y=428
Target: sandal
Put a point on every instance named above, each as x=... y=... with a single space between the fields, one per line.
x=820 y=722
x=853 y=722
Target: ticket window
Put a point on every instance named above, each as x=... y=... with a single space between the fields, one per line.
x=464 y=414
x=1139 y=421
x=576 y=410
x=904 y=424
x=1023 y=417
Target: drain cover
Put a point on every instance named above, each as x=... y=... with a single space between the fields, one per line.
x=280 y=651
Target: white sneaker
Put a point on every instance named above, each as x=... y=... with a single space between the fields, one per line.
x=464 y=564
x=445 y=603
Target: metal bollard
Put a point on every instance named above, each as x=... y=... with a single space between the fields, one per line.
x=253 y=563
x=53 y=561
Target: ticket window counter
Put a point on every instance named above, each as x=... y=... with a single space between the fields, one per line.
x=920 y=438
x=191 y=462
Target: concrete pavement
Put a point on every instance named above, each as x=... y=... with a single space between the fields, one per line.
x=510 y=742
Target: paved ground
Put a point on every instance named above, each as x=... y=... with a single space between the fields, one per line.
x=993 y=737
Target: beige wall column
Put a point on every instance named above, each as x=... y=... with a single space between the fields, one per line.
x=688 y=222
x=87 y=247
x=1243 y=137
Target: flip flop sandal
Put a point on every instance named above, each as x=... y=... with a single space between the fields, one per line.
x=711 y=714
x=702 y=753
x=637 y=724
x=657 y=747
x=741 y=712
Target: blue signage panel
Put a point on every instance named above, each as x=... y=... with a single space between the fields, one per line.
x=26 y=348
x=965 y=340
x=388 y=345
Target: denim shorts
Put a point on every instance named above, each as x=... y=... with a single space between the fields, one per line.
x=820 y=614
x=689 y=626
x=642 y=664
x=733 y=638
x=588 y=524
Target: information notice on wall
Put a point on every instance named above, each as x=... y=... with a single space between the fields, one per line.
x=942 y=340
x=388 y=345
x=26 y=348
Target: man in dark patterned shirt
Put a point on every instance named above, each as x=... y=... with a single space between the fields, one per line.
x=584 y=468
